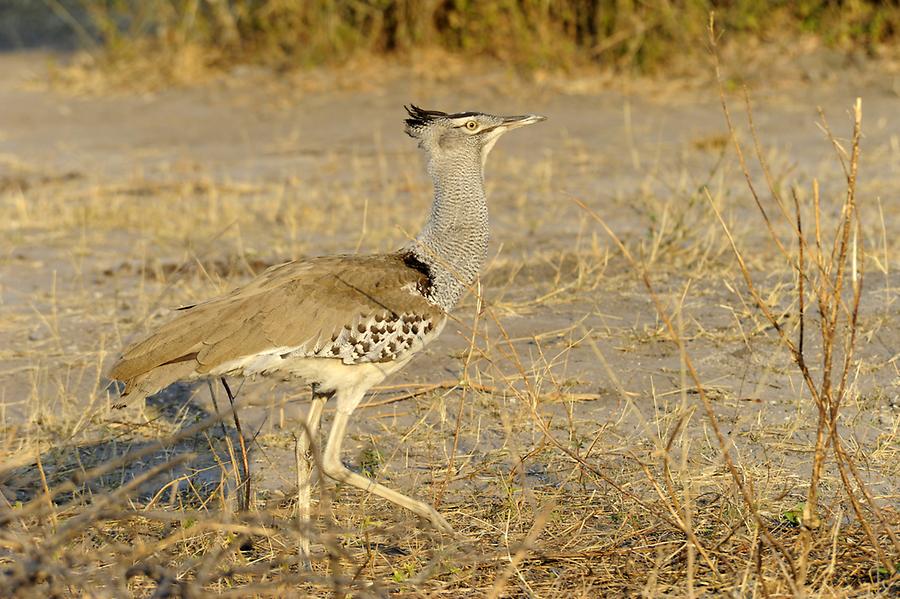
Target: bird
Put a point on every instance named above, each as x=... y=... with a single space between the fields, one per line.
x=343 y=323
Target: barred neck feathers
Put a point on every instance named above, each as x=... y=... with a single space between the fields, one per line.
x=454 y=242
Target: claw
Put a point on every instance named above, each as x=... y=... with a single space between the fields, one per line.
x=440 y=523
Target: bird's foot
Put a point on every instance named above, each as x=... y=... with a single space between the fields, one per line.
x=439 y=522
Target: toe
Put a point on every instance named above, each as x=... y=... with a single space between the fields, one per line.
x=441 y=524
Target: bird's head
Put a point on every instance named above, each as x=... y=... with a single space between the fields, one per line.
x=462 y=135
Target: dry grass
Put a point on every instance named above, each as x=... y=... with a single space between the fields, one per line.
x=586 y=431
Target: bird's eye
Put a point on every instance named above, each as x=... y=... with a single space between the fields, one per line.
x=471 y=125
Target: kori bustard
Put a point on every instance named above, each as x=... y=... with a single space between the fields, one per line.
x=344 y=323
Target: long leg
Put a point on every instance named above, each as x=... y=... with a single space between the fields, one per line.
x=212 y=395
x=305 y=462
x=334 y=468
x=243 y=499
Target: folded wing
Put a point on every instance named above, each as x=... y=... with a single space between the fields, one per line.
x=310 y=307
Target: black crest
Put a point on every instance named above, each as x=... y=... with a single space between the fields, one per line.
x=419 y=117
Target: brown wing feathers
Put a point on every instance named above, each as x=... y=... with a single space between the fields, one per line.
x=289 y=305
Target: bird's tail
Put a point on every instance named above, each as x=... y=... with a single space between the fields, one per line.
x=156 y=380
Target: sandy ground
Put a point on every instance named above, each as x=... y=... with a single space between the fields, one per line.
x=117 y=207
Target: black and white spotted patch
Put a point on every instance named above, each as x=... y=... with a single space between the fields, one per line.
x=379 y=339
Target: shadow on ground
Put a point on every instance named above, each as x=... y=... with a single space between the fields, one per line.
x=199 y=460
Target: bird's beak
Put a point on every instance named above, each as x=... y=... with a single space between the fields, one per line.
x=512 y=122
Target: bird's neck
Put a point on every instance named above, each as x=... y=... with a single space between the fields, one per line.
x=454 y=242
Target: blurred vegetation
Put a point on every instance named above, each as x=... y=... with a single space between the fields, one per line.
x=624 y=34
